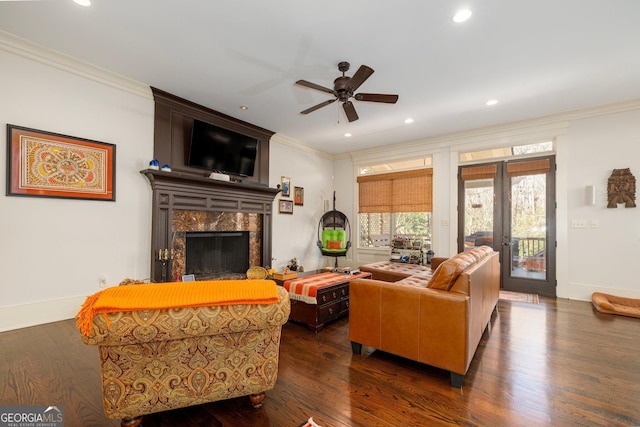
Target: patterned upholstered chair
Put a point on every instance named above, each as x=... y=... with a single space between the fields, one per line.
x=157 y=360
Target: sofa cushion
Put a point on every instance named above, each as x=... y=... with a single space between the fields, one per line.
x=447 y=273
x=419 y=280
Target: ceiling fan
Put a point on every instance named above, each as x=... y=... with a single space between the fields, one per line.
x=344 y=88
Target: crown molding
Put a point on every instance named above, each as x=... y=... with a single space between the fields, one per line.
x=22 y=47
x=523 y=131
x=294 y=143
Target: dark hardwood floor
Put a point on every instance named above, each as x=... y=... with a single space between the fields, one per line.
x=558 y=363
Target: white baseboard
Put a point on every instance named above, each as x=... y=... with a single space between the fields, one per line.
x=583 y=292
x=38 y=313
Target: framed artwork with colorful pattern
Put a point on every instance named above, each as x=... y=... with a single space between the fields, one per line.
x=47 y=164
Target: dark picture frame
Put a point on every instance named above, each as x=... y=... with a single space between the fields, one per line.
x=285 y=182
x=298 y=196
x=48 y=164
x=285 y=206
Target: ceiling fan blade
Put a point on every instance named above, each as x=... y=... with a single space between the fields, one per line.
x=315 y=107
x=377 y=97
x=360 y=76
x=314 y=86
x=350 y=111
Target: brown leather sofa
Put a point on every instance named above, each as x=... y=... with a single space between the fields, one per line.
x=437 y=319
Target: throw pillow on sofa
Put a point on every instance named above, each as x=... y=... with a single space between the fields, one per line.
x=447 y=273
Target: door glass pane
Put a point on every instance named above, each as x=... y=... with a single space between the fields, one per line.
x=478 y=212
x=529 y=227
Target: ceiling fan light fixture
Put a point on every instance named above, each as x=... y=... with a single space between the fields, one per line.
x=462 y=15
x=344 y=89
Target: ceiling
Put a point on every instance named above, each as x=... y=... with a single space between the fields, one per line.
x=535 y=57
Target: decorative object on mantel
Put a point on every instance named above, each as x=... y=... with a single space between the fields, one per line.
x=47 y=164
x=286 y=186
x=285 y=206
x=154 y=165
x=294 y=266
x=165 y=168
x=285 y=274
x=298 y=196
x=621 y=188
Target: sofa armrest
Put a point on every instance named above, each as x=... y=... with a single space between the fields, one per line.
x=427 y=325
x=444 y=330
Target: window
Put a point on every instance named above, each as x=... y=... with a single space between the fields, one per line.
x=378 y=230
x=394 y=205
x=506 y=152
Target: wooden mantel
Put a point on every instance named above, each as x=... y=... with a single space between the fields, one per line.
x=180 y=191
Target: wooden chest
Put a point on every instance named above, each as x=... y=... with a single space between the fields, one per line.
x=333 y=302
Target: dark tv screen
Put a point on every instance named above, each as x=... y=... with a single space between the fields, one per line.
x=217 y=149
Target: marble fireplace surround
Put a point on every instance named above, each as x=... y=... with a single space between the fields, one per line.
x=183 y=202
x=185 y=221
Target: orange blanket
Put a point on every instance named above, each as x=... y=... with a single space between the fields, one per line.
x=158 y=296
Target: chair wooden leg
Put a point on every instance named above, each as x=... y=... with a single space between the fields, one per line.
x=257 y=399
x=131 y=422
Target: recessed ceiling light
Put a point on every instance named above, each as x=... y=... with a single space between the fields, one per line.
x=462 y=15
x=408 y=120
x=347 y=135
x=244 y=107
x=83 y=2
x=492 y=102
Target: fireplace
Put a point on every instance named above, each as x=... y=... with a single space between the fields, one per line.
x=217 y=254
x=185 y=206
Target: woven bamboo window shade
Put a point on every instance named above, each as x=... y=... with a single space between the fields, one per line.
x=530 y=167
x=470 y=173
x=409 y=191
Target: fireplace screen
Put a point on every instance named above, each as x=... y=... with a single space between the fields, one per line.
x=217 y=254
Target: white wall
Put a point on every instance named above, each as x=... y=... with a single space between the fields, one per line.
x=54 y=250
x=601 y=258
x=295 y=235
x=590 y=144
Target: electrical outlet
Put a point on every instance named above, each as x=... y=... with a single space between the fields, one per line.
x=578 y=223
x=103 y=281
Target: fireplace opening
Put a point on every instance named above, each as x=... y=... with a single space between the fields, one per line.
x=213 y=255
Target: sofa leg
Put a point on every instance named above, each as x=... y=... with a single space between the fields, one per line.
x=257 y=399
x=356 y=348
x=131 y=422
x=456 y=380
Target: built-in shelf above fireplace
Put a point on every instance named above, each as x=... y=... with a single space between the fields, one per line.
x=185 y=203
x=186 y=200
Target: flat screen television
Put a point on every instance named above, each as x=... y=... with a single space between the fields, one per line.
x=217 y=149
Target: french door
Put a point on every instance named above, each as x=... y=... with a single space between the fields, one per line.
x=510 y=206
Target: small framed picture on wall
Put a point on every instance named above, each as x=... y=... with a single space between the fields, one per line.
x=285 y=182
x=285 y=206
x=298 y=196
